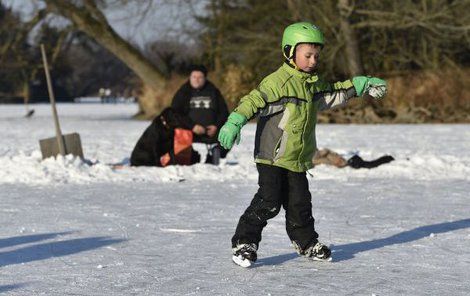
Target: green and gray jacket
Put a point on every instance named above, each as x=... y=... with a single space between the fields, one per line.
x=287 y=102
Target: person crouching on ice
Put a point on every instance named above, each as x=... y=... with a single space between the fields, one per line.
x=287 y=102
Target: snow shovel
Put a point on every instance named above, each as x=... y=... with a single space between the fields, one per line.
x=60 y=144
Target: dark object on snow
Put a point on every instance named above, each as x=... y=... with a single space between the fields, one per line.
x=357 y=162
x=329 y=157
x=158 y=140
x=60 y=144
x=29 y=113
x=214 y=153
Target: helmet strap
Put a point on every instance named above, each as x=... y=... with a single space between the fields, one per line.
x=289 y=53
x=292 y=59
x=292 y=64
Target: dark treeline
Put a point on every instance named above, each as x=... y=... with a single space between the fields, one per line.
x=421 y=47
x=79 y=66
x=374 y=37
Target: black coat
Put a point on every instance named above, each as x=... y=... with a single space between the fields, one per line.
x=205 y=106
x=158 y=139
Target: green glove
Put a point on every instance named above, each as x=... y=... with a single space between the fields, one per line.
x=230 y=131
x=372 y=86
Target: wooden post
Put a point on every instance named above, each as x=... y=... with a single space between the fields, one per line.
x=58 y=132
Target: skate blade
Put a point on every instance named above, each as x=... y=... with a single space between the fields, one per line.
x=242 y=262
x=329 y=259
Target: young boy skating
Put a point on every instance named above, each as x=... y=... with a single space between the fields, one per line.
x=286 y=103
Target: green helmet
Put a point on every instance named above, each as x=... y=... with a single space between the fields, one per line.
x=302 y=32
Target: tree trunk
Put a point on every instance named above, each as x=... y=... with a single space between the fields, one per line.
x=92 y=22
x=352 y=48
x=26 y=92
x=217 y=9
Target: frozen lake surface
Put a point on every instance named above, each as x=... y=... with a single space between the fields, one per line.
x=73 y=229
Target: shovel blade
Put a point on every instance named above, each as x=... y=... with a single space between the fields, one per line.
x=50 y=147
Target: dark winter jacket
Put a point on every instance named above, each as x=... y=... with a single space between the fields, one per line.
x=205 y=106
x=158 y=139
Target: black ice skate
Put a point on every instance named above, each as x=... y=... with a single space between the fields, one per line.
x=245 y=254
x=316 y=252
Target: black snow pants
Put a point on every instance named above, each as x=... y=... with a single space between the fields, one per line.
x=278 y=187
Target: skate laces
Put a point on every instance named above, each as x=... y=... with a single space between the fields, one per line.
x=245 y=248
x=317 y=250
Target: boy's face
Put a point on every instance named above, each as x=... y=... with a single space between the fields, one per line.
x=306 y=56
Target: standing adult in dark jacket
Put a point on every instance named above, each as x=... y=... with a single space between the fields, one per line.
x=204 y=106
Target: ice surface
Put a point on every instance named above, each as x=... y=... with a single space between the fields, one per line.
x=74 y=229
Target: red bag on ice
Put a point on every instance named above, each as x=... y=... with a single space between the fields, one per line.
x=182 y=147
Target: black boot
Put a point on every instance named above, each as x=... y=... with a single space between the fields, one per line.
x=213 y=155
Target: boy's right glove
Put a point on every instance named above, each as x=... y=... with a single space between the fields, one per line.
x=372 y=86
x=230 y=131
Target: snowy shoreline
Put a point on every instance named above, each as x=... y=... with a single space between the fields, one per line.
x=422 y=152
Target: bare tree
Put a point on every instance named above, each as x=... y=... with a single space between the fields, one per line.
x=353 y=56
x=87 y=17
x=15 y=53
x=413 y=34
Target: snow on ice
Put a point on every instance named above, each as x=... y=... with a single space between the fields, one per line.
x=74 y=229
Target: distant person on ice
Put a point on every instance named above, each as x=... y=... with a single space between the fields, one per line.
x=287 y=102
x=200 y=101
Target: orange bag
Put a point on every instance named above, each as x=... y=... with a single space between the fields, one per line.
x=182 y=147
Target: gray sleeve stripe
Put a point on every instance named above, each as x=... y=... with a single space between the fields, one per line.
x=279 y=106
x=329 y=100
x=351 y=92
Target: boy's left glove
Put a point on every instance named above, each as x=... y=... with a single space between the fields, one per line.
x=230 y=131
x=372 y=86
